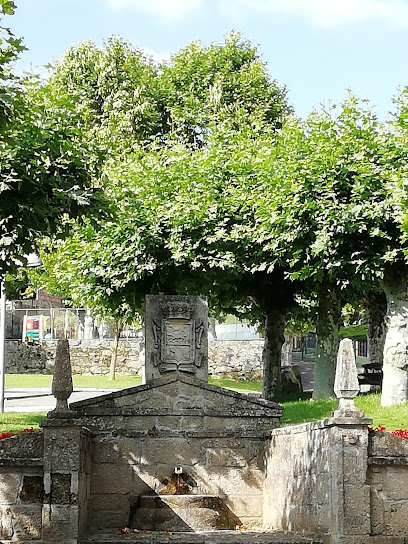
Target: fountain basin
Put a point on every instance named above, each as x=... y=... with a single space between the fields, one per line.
x=183 y=513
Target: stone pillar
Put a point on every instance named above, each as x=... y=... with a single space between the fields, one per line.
x=349 y=446
x=66 y=480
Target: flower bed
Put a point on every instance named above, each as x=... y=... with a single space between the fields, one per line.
x=9 y=434
x=402 y=433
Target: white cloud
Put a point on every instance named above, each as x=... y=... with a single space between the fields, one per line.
x=167 y=11
x=157 y=57
x=326 y=13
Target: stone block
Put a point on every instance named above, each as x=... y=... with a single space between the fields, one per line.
x=106 y=451
x=395 y=483
x=6 y=522
x=224 y=457
x=130 y=450
x=60 y=491
x=24 y=522
x=191 y=423
x=109 y=511
x=176 y=451
x=395 y=520
x=356 y=509
x=144 y=479
x=110 y=478
x=246 y=505
x=60 y=523
x=387 y=445
x=228 y=480
x=32 y=489
x=61 y=448
x=9 y=487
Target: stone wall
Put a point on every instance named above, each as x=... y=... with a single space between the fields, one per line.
x=87 y=357
x=21 y=487
x=388 y=479
x=338 y=482
x=333 y=481
x=241 y=359
x=315 y=480
x=237 y=358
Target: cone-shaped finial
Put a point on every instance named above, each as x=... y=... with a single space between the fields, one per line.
x=346 y=382
x=62 y=381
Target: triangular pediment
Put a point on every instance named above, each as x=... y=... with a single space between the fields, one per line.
x=180 y=397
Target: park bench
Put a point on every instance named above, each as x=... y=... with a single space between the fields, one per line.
x=372 y=374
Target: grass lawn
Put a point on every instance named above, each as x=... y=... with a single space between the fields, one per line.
x=297 y=408
x=100 y=382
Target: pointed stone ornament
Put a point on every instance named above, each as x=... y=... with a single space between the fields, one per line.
x=62 y=381
x=346 y=385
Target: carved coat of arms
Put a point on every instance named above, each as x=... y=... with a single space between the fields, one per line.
x=177 y=339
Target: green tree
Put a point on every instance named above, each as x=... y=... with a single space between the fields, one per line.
x=182 y=203
x=332 y=217
x=44 y=173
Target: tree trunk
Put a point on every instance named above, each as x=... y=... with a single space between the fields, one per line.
x=287 y=349
x=376 y=305
x=395 y=367
x=112 y=369
x=271 y=355
x=327 y=329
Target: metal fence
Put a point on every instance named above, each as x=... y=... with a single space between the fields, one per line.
x=78 y=323
x=72 y=323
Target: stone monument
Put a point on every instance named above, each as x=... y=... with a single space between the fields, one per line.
x=346 y=384
x=62 y=386
x=176 y=335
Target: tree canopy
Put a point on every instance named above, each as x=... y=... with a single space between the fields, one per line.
x=45 y=173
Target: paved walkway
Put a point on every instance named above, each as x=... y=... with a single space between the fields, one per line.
x=41 y=399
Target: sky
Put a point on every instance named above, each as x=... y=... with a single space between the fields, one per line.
x=316 y=48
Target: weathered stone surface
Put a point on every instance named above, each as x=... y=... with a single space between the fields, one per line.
x=23 y=522
x=9 y=487
x=384 y=444
x=59 y=523
x=32 y=489
x=239 y=359
x=23 y=446
x=346 y=384
x=176 y=336
x=62 y=385
x=111 y=479
x=183 y=513
x=184 y=396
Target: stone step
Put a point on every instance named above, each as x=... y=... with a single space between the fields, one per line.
x=202 y=537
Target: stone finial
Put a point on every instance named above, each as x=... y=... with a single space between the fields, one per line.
x=62 y=381
x=346 y=384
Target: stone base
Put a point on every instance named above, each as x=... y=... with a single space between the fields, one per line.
x=183 y=513
x=211 y=537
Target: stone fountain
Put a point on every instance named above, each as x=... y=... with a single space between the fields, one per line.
x=177 y=453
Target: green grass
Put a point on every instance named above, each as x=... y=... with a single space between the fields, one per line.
x=16 y=421
x=100 y=382
x=242 y=386
x=354 y=332
x=297 y=408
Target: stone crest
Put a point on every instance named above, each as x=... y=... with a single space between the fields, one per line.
x=176 y=336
